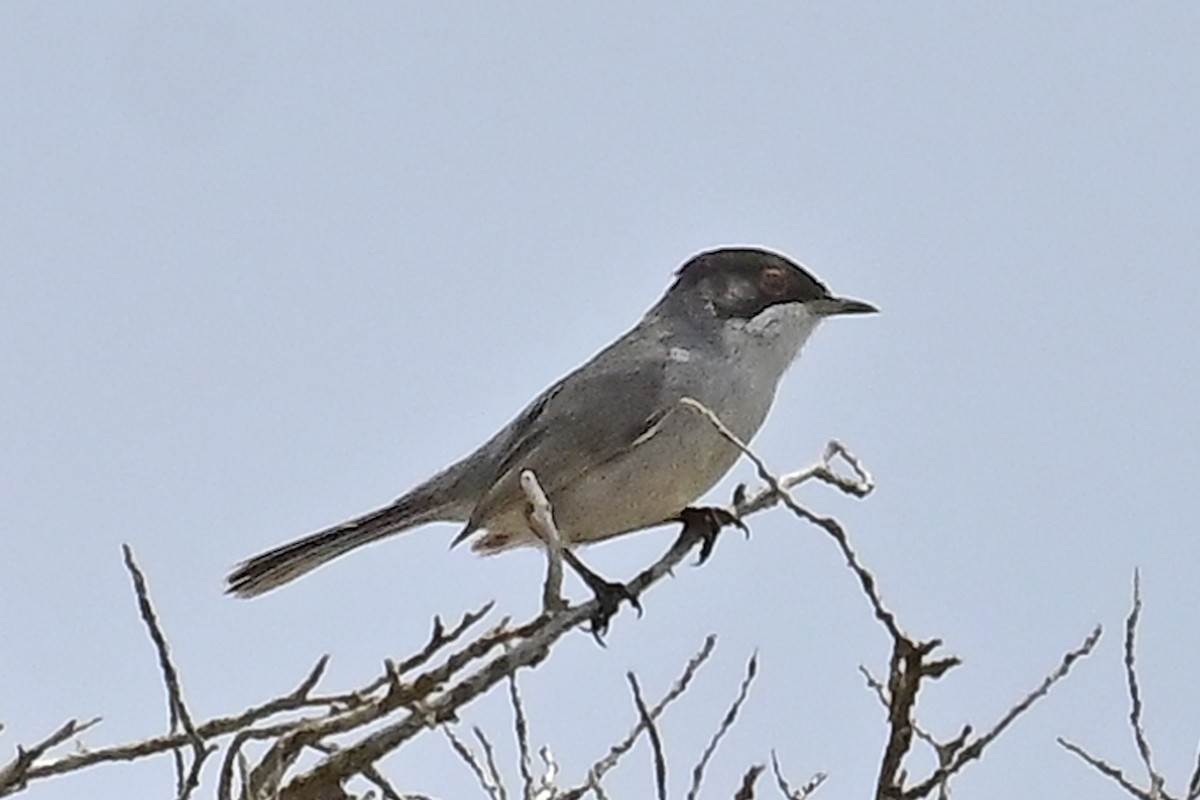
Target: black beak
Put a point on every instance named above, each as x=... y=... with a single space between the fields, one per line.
x=832 y=306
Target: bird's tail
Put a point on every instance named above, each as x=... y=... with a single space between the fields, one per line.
x=285 y=563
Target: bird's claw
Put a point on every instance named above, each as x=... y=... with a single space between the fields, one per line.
x=705 y=523
x=608 y=596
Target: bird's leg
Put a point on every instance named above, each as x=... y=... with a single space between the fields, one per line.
x=608 y=594
x=703 y=523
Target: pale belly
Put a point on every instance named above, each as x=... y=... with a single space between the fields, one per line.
x=646 y=486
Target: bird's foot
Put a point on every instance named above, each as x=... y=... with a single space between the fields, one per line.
x=704 y=523
x=608 y=596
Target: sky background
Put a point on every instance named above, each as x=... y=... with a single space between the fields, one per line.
x=267 y=266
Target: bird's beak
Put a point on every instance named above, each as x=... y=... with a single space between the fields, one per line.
x=832 y=306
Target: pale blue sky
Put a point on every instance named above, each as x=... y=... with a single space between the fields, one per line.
x=266 y=266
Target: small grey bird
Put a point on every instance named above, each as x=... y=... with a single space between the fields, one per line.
x=610 y=443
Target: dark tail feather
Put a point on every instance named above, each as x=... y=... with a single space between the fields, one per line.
x=271 y=569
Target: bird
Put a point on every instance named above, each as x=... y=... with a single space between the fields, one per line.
x=610 y=443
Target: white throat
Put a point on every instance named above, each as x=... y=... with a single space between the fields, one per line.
x=774 y=338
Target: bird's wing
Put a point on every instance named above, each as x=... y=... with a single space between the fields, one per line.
x=588 y=418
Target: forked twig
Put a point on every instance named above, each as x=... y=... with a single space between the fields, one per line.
x=660 y=761
x=14 y=776
x=1156 y=790
x=599 y=769
x=785 y=788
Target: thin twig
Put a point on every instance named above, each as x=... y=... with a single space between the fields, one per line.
x=725 y=726
x=233 y=756
x=489 y=759
x=1135 y=693
x=186 y=782
x=493 y=788
x=14 y=775
x=1104 y=768
x=660 y=761
x=439 y=638
x=610 y=760
x=521 y=729
x=974 y=749
x=830 y=525
x=546 y=787
x=786 y=789
x=1157 y=782
x=860 y=485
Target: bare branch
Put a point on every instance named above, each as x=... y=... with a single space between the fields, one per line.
x=746 y=790
x=387 y=791
x=439 y=638
x=521 y=729
x=463 y=671
x=489 y=756
x=530 y=644
x=598 y=790
x=1135 y=694
x=804 y=792
x=1104 y=768
x=545 y=788
x=15 y=775
x=911 y=661
x=945 y=751
x=724 y=727
x=186 y=780
x=829 y=524
x=488 y=779
x=860 y=485
x=660 y=761
x=364 y=707
x=1194 y=781
x=974 y=749
x=601 y=767
x=1157 y=788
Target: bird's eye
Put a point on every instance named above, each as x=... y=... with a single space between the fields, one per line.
x=773 y=282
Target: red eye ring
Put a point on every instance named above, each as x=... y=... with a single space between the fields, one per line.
x=773 y=282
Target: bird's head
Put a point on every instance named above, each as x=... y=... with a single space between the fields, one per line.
x=756 y=291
